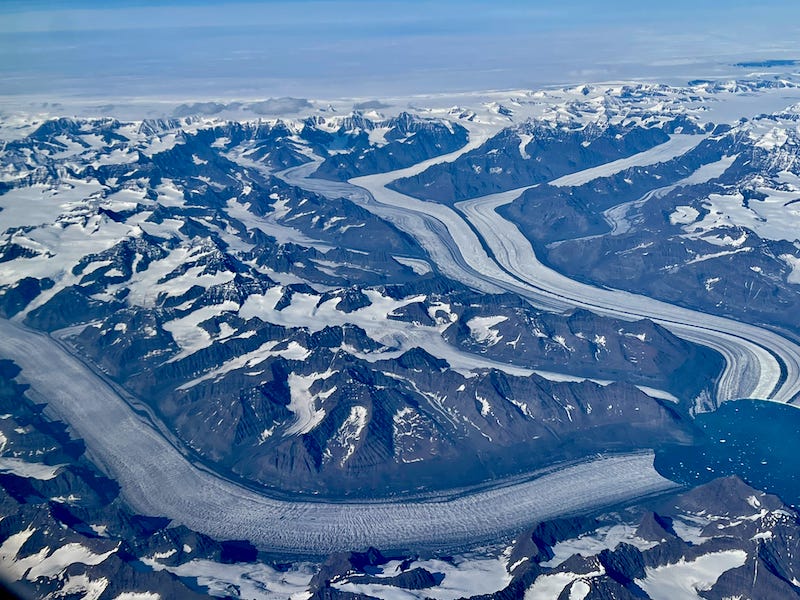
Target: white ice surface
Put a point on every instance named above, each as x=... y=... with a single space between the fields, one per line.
x=303 y=404
x=579 y=591
x=682 y=580
x=268 y=224
x=90 y=589
x=467 y=576
x=23 y=468
x=594 y=542
x=255 y=581
x=40 y=204
x=550 y=586
x=146 y=286
x=773 y=218
x=481 y=331
x=794 y=264
x=63 y=557
x=690 y=528
x=293 y=351
x=709 y=171
x=70 y=230
x=684 y=215
x=12 y=565
x=138 y=596
x=676 y=146
x=188 y=334
x=420 y=267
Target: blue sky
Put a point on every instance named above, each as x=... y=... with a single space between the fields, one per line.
x=196 y=48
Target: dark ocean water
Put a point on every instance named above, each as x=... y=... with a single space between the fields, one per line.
x=757 y=440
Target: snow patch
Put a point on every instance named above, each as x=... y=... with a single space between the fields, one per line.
x=89 y=589
x=481 y=331
x=63 y=557
x=683 y=580
x=675 y=146
x=253 y=581
x=604 y=538
x=293 y=351
x=709 y=171
x=419 y=266
x=776 y=217
x=138 y=596
x=549 y=587
x=349 y=433
x=26 y=469
x=303 y=403
x=466 y=576
x=794 y=264
x=684 y=215
x=524 y=140
x=188 y=334
x=486 y=408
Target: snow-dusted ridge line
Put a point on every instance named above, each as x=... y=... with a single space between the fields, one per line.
x=759 y=363
x=157 y=479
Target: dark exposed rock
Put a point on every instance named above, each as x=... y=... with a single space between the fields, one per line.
x=341 y=564
x=538 y=542
x=623 y=564
x=413 y=579
x=413 y=313
x=754 y=579
x=67 y=307
x=15 y=298
x=727 y=496
x=654 y=527
x=409 y=140
x=238 y=551
x=351 y=300
x=550 y=153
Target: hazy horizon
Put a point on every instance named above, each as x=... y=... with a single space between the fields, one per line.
x=191 y=48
